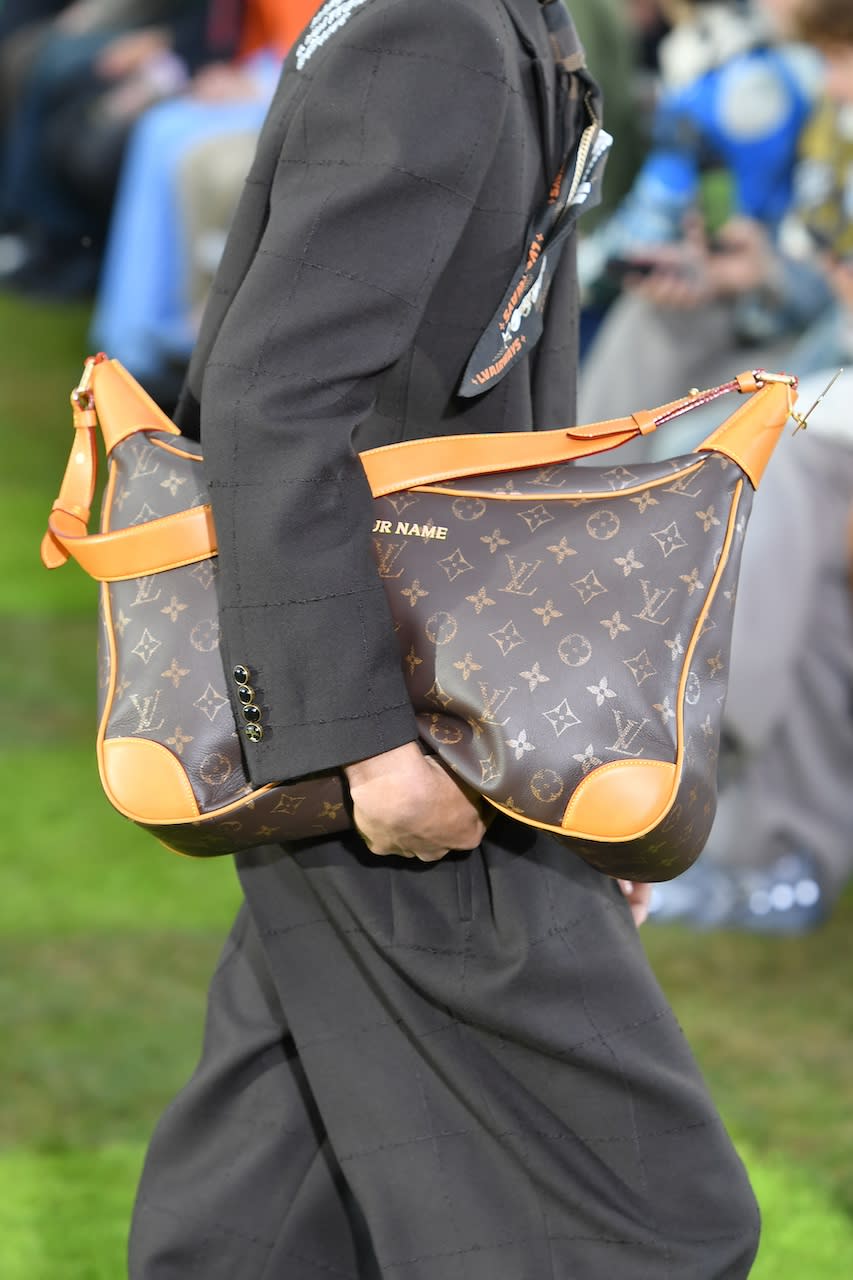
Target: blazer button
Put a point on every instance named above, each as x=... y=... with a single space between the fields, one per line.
x=241 y=674
x=254 y=732
x=251 y=713
x=244 y=693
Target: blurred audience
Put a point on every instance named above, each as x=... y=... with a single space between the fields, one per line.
x=781 y=848
x=22 y=27
x=724 y=133
x=185 y=167
x=26 y=25
x=823 y=216
x=725 y=241
x=97 y=69
x=612 y=43
x=689 y=241
x=621 y=39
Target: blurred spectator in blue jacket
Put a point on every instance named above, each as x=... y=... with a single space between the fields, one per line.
x=730 y=119
x=732 y=104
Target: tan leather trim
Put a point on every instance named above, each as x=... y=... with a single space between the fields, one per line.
x=750 y=435
x=109 y=631
x=249 y=798
x=52 y=553
x=528 y=822
x=107 y=758
x=120 y=400
x=168 y=543
x=123 y=406
x=646 y=422
x=130 y=782
x=413 y=463
x=77 y=489
x=179 y=453
x=598 y=495
x=675 y=775
x=620 y=795
x=146 y=782
x=667 y=770
x=418 y=462
x=179 y=853
x=747 y=382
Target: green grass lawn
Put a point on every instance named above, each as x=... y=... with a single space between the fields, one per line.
x=106 y=940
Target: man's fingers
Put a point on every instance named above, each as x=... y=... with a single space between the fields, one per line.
x=397 y=851
x=639 y=895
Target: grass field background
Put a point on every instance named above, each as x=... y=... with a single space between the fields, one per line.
x=106 y=941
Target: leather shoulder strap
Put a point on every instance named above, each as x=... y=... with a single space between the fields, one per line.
x=418 y=462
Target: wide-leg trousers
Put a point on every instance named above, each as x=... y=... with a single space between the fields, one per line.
x=457 y=1071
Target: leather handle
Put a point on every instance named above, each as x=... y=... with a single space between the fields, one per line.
x=167 y=543
x=74 y=503
x=750 y=435
x=419 y=462
x=106 y=397
x=747 y=437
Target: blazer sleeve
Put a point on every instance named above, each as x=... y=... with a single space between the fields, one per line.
x=376 y=177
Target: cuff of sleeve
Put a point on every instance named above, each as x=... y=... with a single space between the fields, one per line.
x=332 y=745
x=327 y=682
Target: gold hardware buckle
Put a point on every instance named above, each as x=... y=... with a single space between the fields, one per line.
x=787 y=379
x=81 y=396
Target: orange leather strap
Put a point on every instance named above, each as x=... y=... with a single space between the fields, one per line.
x=140 y=550
x=78 y=484
x=123 y=409
x=109 y=397
x=419 y=462
x=750 y=435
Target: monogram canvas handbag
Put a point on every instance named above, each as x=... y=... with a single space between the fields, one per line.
x=564 y=631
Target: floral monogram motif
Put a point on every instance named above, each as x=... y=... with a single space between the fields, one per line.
x=624 y=576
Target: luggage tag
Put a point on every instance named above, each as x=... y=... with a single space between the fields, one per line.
x=518 y=323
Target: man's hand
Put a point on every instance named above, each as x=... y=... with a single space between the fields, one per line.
x=679 y=278
x=407 y=803
x=743 y=259
x=691 y=273
x=639 y=896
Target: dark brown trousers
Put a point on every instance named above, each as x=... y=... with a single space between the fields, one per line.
x=463 y=1071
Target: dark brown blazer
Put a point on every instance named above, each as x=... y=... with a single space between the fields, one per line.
x=409 y=1072
x=406 y=149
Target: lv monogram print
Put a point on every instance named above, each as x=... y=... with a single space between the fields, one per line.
x=169 y=684
x=547 y=620
x=551 y=621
